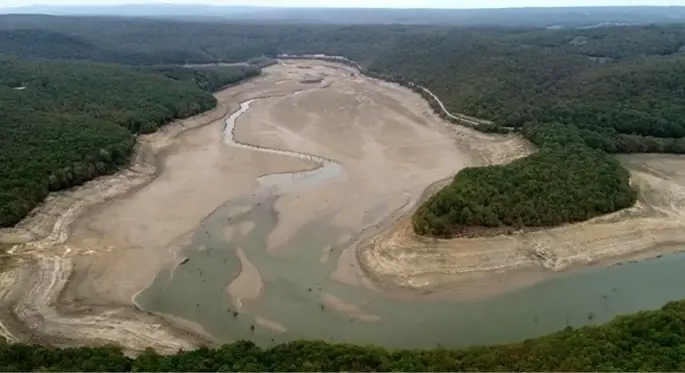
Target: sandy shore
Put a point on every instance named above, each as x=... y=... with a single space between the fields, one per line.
x=404 y=264
x=387 y=138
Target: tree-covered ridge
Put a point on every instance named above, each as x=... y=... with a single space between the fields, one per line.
x=63 y=123
x=608 y=42
x=209 y=78
x=646 y=341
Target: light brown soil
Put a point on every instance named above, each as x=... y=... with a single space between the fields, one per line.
x=387 y=138
x=82 y=255
x=397 y=259
x=270 y=324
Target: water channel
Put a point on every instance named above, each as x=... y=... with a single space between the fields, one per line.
x=296 y=281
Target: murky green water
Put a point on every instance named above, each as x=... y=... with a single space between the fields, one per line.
x=294 y=282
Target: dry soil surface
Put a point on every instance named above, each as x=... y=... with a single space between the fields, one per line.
x=80 y=258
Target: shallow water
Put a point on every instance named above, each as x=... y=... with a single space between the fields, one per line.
x=294 y=283
x=295 y=280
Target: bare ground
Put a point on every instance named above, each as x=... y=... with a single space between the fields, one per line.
x=82 y=256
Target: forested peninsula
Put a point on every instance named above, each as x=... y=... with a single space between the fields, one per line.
x=66 y=122
x=577 y=94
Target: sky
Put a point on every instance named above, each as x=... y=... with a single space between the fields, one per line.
x=362 y=3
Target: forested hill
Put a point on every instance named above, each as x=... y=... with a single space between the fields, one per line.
x=647 y=341
x=577 y=94
x=66 y=122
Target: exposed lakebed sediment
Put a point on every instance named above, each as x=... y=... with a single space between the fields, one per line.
x=254 y=223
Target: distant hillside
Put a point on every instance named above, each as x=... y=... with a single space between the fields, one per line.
x=508 y=17
x=49 y=44
x=94 y=39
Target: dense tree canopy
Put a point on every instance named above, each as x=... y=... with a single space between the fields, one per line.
x=63 y=123
x=613 y=89
x=535 y=191
x=647 y=341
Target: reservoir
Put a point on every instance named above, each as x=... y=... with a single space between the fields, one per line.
x=293 y=295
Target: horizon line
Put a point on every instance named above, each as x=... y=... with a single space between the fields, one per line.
x=333 y=7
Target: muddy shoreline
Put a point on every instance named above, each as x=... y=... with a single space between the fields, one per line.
x=106 y=241
x=146 y=164
x=42 y=251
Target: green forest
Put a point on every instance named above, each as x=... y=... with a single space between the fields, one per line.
x=646 y=341
x=607 y=90
x=66 y=122
x=512 y=195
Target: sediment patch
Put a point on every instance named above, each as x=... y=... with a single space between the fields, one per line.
x=247 y=285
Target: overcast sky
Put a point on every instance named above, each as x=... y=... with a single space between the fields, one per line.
x=364 y=3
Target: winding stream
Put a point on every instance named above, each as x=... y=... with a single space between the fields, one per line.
x=283 y=182
x=296 y=297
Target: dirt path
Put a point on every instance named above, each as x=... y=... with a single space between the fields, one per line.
x=463 y=118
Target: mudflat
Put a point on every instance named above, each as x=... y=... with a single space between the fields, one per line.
x=82 y=257
x=84 y=253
